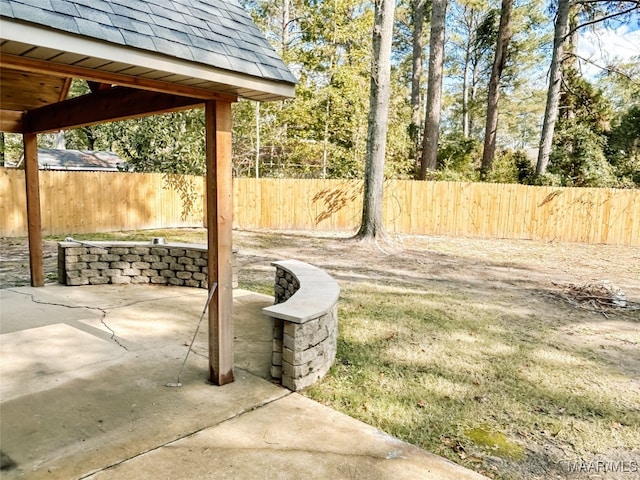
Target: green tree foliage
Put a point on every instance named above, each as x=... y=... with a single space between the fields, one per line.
x=322 y=131
x=175 y=145
x=621 y=83
x=623 y=147
x=573 y=17
x=400 y=158
x=472 y=41
x=578 y=160
x=512 y=166
x=171 y=143
x=586 y=150
x=580 y=141
x=93 y=137
x=11 y=148
x=466 y=62
x=458 y=158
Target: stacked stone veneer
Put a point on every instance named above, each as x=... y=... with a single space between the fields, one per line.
x=305 y=331
x=134 y=262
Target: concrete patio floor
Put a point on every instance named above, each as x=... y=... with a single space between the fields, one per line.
x=83 y=396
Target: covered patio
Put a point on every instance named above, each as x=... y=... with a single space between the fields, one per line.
x=139 y=58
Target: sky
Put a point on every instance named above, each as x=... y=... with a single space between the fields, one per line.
x=604 y=46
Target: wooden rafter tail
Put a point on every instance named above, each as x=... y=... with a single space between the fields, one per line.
x=64 y=91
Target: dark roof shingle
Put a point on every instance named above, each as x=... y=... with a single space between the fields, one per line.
x=196 y=30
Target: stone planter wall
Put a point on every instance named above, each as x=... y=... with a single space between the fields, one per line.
x=305 y=332
x=97 y=263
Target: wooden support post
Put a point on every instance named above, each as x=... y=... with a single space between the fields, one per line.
x=34 y=222
x=219 y=231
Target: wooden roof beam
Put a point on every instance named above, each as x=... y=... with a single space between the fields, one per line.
x=117 y=103
x=96 y=86
x=10 y=121
x=100 y=76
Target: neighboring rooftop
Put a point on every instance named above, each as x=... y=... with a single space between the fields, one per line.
x=86 y=160
x=76 y=160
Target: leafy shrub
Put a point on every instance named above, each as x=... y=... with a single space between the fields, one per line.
x=578 y=158
x=623 y=147
x=458 y=158
x=511 y=166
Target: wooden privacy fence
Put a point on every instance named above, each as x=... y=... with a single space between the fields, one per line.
x=84 y=202
x=80 y=202
x=588 y=215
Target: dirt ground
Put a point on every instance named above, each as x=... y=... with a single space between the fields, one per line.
x=482 y=266
x=485 y=263
x=540 y=276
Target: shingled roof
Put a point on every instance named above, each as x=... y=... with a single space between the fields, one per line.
x=217 y=36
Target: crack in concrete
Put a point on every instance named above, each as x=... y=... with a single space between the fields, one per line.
x=103 y=311
x=186 y=435
x=113 y=334
x=203 y=355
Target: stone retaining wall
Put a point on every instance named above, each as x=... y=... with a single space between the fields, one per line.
x=285 y=286
x=97 y=263
x=305 y=332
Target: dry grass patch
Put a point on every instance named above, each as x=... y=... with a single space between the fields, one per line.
x=483 y=386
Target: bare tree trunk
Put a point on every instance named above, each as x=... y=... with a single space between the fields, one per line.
x=471 y=24
x=61 y=141
x=465 y=92
x=285 y=25
x=491 y=128
x=327 y=112
x=372 y=226
x=325 y=140
x=570 y=62
x=555 y=81
x=257 y=139
x=416 y=75
x=475 y=81
x=91 y=138
x=434 y=88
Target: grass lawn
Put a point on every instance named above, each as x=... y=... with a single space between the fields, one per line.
x=491 y=388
